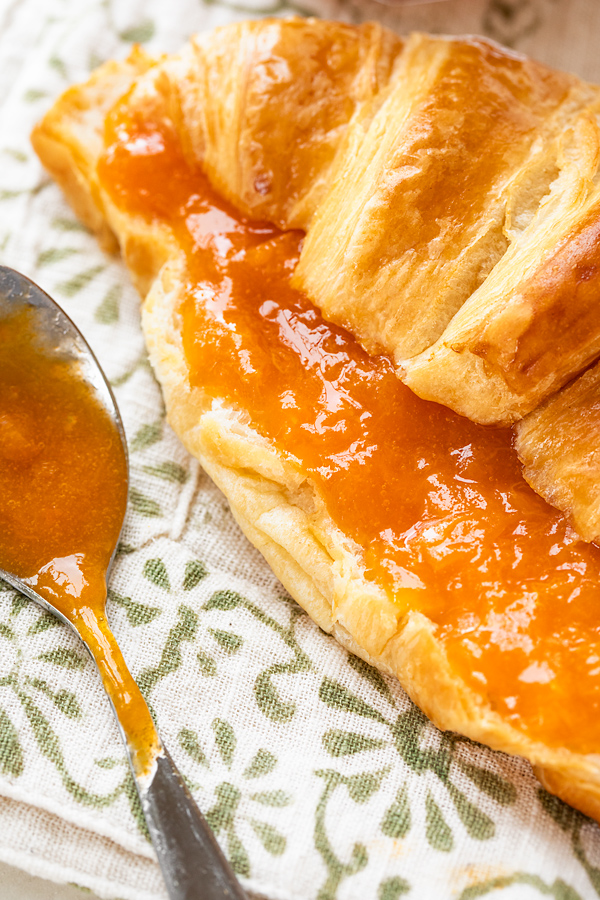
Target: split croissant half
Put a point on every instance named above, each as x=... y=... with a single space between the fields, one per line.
x=460 y=181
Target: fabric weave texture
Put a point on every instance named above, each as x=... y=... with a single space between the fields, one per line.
x=320 y=778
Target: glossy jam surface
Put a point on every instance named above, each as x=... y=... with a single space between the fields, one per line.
x=63 y=494
x=63 y=475
x=438 y=504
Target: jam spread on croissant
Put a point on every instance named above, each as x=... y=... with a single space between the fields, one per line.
x=436 y=504
x=63 y=484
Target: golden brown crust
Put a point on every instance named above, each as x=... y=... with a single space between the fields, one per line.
x=534 y=323
x=471 y=173
x=275 y=504
x=559 y=447
x=423 y=225
x=70 y=137
x=465 y=248
x=268 y=139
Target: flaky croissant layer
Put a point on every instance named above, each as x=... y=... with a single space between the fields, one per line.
x=446 y=187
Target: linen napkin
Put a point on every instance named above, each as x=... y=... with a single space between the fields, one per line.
x=321 y=780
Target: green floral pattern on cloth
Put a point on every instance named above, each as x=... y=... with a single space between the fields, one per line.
x=320 y=778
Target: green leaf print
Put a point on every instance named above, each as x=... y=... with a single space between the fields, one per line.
x=396 y=821
x=272 y=798
x=156 y=572
x=392 y=888
x=228 y=809
x=437 y=832
x=49 y=745
x=263 y=763
x=273 y=842
x=107 y=313
x=567 y=818
x=572 y=822
x=168 y=471
x=146 y=436
x=109 y=762
x=222 y=817
x=46 y=738
x=11 y=754
x=406 y=732
x=225 y=740
x=137 y=613
x=45 y=621
x=125 y=549
x=362 y=787
x=170 y=661
x=497 y=788
x=267 y=696
x=478 y=825
x=143 y=505
x=339 y=697
x=229 y=641
x=558 y=889
x=195 y=571
x=68 y=659
x=64 y=700
x=224 y=600
x=239 y=859
x=7 y=632
x=140 y=33
x=67 y=702
x=64 y=224
x=34 y=94
x=58 y=65
x=370 y=674
x=14 y=153
x=56 y=254
x=189 y=742
x=337 y=869
x=19 y=602
x=509 y=22
x=208 y=666
x=346 y=743
x=265 y=691
x=75 y=284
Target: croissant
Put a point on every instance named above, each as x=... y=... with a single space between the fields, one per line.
x=316 y=213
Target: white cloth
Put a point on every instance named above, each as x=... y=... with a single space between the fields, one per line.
x=320 y=778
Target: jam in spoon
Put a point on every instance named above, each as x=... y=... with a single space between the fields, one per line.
x=63 y=495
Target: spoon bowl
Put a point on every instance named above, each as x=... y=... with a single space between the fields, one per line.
x=53 y=335
x=64 y=464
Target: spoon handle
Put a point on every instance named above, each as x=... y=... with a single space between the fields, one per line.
x=192 y=863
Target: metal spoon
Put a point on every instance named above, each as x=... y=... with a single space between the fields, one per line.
x=192 y=863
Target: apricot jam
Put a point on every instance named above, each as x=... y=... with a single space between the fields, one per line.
x=63 y=475
x=437 y=505
x=63 y=494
